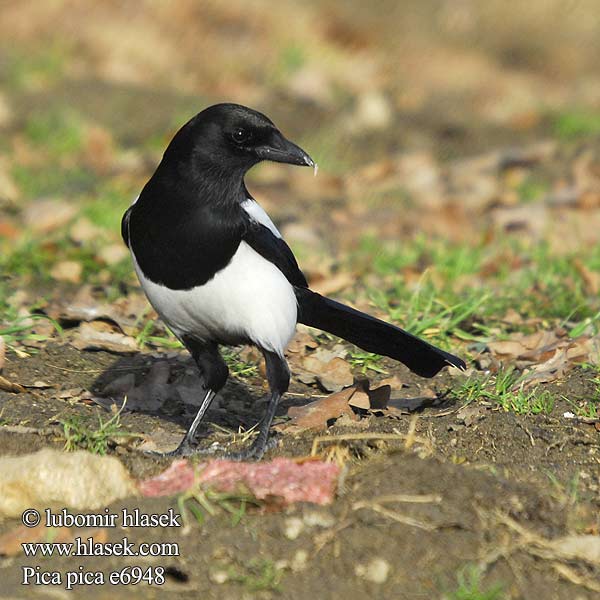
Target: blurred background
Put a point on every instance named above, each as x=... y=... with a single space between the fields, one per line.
x=454 y=137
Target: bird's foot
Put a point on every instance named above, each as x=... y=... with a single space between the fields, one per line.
x=254 y=452
x=186 y=449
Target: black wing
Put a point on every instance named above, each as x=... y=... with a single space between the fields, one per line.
x=125 y=225
x=275 y=250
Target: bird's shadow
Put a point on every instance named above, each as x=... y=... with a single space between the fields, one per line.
x=170 y=387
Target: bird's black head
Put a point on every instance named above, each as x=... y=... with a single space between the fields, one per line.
x=232 y=138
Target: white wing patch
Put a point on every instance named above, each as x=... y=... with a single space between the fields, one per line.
x=257 y=212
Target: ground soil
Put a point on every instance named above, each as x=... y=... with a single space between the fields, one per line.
x=541 y=471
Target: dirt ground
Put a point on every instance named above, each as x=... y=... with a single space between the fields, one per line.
x=491 y=477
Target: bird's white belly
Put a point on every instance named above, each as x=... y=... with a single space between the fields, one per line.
x=249 y=299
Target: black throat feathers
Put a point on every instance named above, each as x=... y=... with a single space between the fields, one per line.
x=184 y=228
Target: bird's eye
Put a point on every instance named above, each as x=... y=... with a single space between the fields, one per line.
x=241 y=135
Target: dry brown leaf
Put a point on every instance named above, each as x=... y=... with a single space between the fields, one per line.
x=113 y=254
x=300 y=342
x=550 y=370
x=332 y=284
x=370 y=399
x=578 y=547
x=360 y=399
x=9 y=386
x=69 y=271
x=83 y=230
x=2 y=352
x=316 y=415
x=124 y=312
x=160 y=440
x=102 y=336
x=328 y=368
x=509 y=348
x=10 y=542
x=44 y=216
x=590 y=278
x=394 y=382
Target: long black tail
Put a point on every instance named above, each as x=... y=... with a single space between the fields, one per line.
x=371 y=334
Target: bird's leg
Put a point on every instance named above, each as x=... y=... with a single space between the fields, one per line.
x=278 y=376
x=185 y=447
x=215 y=373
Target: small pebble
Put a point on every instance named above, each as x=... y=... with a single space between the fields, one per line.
x=218 y=576
x=316 y=518
x=299 y=561
x=293 y=528
x=376 y=570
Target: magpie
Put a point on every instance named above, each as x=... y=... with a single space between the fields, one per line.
x=216 y=269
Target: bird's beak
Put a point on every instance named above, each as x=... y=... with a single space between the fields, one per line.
x=280 y=149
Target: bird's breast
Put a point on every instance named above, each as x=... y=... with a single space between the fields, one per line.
x=249 y=300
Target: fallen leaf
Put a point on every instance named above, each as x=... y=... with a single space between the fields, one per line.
x=124 y=312
x=113 y=253
x=333 y=374
x=550 y=370
x=69 y=271
x=10 y=542
x=370 y=399
x=332 y=284
x=120 y=386
x=300 y=342
x=577 y=547
x=316 y=415
x=83 y=231
x=160 y=441
x=9 y=386
x=44 y=216
x=2 y=352
x=509 y=348
x=102 y=336
x=590 y=278
x=394 y=382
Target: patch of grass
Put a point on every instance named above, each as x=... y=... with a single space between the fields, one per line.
x=238 y=367
x=156 y=335
x=428 y=314
x=365 y=361
x=200 y=503
x=291 y=58
x=470 y=586
x=505 y=389
x=530 y=190
x=258 y=574
x=588 y=408
x=60 y=132
x=575 y=124
x=107 y=206
x=81 y=435
x=36 y=67
x=17 y=329
x=52 y=179
x=466 y=289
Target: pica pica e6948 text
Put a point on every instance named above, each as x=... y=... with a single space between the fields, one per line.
x=217 y=271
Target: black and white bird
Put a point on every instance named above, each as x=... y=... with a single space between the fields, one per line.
x=217 y=271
